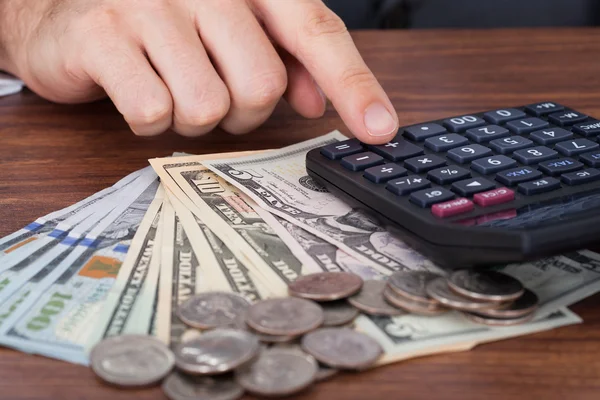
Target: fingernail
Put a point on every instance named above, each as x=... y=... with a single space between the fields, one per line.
x=379 y=121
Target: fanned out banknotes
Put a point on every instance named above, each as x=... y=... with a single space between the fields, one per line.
x=123 y=260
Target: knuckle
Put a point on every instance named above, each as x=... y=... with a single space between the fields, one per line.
x=150 y=113
x=321 y=21
x=264 y=91
x=356 y=77
x=203 y=114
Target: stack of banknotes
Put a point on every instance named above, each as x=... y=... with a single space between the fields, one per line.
x=123 y=260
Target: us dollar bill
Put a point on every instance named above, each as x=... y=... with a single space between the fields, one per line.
x=56 y=318
x=127 y=308
x=408 y=336
x=278 y=182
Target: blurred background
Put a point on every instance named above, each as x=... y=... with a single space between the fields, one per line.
x=416 y=14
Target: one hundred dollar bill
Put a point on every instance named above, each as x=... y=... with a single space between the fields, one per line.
x=56 y=317
x=278 y=181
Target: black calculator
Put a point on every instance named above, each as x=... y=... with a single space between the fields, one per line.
x=483 y=189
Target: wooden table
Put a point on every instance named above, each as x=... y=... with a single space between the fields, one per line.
x=52 y=156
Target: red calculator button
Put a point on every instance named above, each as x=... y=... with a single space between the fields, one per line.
x=493 y=197
x=452 y=207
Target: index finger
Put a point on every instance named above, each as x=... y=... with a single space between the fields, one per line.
x=320 y=41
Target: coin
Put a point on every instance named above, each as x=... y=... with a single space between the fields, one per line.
x=411 y=285
x=325 y=286
x=410 y=305
x=263 y=337
x=370 y=300
x=213 y=310
x=131 y=360
x=482 y=319
x=338 y=313
x=178 y=386
x=342 y=348
x=216 y=352
x=278 y=372
x=526 y=304
x=288 y=316
x=485 y=285
x=325 y=373
x=439 y=290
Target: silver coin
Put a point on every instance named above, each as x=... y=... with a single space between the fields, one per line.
x=178 y=386
x=288 y=316
x=213 y=310
x=216 y=352
x=411 y=285
x=485 y=285
x=370 y=300
x=412 y=306
x=272 y=339
x=131 y=360
x=439 y=290
x=482 y=319
x=338 y=313
x=325 y=372
x=325 y=286
x=278 y=372
x=342 y=348
x=524 y=305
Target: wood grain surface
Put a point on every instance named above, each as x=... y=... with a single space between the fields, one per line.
x=54 y=155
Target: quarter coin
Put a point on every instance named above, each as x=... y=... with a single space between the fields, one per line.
x=439 y=290
x=178 y=386
x=411 y=285
x=131 y=360
x=485 y=285
x=481 y=319
x=325 y=372
x=338 y=313
x=342 y=348
x=370 y=300
x=412 y=306
x=213 y=310
x=325 y=286
x=216 y=352
x=278 y=372
x=288 y=316
x=526 y=304
x=263 y=337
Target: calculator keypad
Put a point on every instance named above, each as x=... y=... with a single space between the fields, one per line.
x=465 y=164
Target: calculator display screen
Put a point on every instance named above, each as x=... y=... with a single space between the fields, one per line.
x=540 y=214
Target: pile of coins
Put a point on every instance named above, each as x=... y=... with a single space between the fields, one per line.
x=278 y=347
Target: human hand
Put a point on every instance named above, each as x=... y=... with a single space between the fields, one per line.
x=192 y=65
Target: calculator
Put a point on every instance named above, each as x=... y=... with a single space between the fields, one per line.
x=484 y=189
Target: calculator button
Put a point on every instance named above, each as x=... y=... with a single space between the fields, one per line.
x=469 y=187
x=534 y=155
x=502 y=116
x=590 y=128
x=577 y=146
x=592 y=159
x=581 y=177
x=452 y=207
x=402 y=186
x=423 y=131
x=445 y=142
x=551 y=135
x=397 y=150
x=424 y=163
x=559 y=166
x=539 y=109
x=384 y=173
x=337 y=150
x=510 y=144
x=468 y=153
x=427 y=197
x=567 y=118
x=494 y=197
x=449 y=174
x=360 y=161
x=515 y=176
x=526 y=125
x=487 y=133
x=489 y=165
x=538 y=186
x=461 y=124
